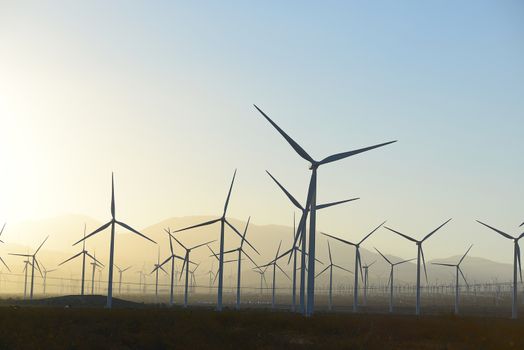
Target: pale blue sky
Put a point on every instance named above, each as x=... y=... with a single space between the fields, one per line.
x=162 y=93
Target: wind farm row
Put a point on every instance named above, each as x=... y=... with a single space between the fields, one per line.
x=301 y=255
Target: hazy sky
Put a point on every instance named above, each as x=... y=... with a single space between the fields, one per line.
x=161 y=93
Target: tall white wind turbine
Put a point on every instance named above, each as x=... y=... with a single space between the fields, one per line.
x=366 y=282
x=113 y=222
x=458 y=271
x=312 y=197
x=94 y=264
x=358 y=262
x=420 y=254
x=156 y=268
x=516 y=265
x=275 y=266
x=391 y=276
x=223 y=221
x=120 y=273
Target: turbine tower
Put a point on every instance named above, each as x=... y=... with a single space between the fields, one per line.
x=457 y=271
x=262 y=273
x=358 y=262
x=223 y=221
x=33 y=263
x=420 y=254
x=45 y=272
x=301 y=235
x=311 y=203
x=113 y=222
x=391 y=278
x=330 y=267
x=84 y=253
x=2 y=260
x=516 y=265
x=187 y=262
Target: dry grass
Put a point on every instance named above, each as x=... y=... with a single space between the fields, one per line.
x=58 y=328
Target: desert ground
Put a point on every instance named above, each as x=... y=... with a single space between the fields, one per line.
x=85 y=324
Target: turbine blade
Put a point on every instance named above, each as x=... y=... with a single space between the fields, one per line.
x=405 y=261
x=253 y=261
x=389 y=279
x=127 y=268
x=41 y=245
x=442 y=264
x=229 y=193
x=240 y=235
x=329 y=250
x=369 y=234
x=198 y=225
x=2 y=230
x=464 y=277
x=245 y=232
x=424 y=263
x=214 y=254
x=183 y=265
x=71 y=258
x=338 y=239
x=170 y=240
x=360 y=264
x=165 y=261
x=26 y=255
x=401 y=234
x=3 y=262
x=496 y=230
x=372 y=263
x=463 y=256
x=284 y=272
x=112 y=196
x=343 y=155
x=278 y=250
x=134 y=231
x=94 y=259
x=435 y=230
x=378 y=251
x=103 y=227
x=327 y=205
x=291 y=198
x=301 y=152
x=200 y=245
x=161 y=268
x=518 y=260
x=343 y=268
x=321 y=272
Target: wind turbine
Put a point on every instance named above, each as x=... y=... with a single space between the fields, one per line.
x=155 y=269
x=193 y=279
x=223 y=221
x=516 y=264
x=300 y=233
x=391 y=279
x=113 y=222
x=33 y=263
x=366 y=267
x=330 y=267
x=45 y=272
x=420 y=253
x=262 y=273
x=311 y=203
x=358 y=262
x=187 y=262
x=120 y=272
x=94 y=264
x=2 y=260
x=458 y=270
x=84 y=252
x=26 y=270
x=240 y=251
x=171 y=258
